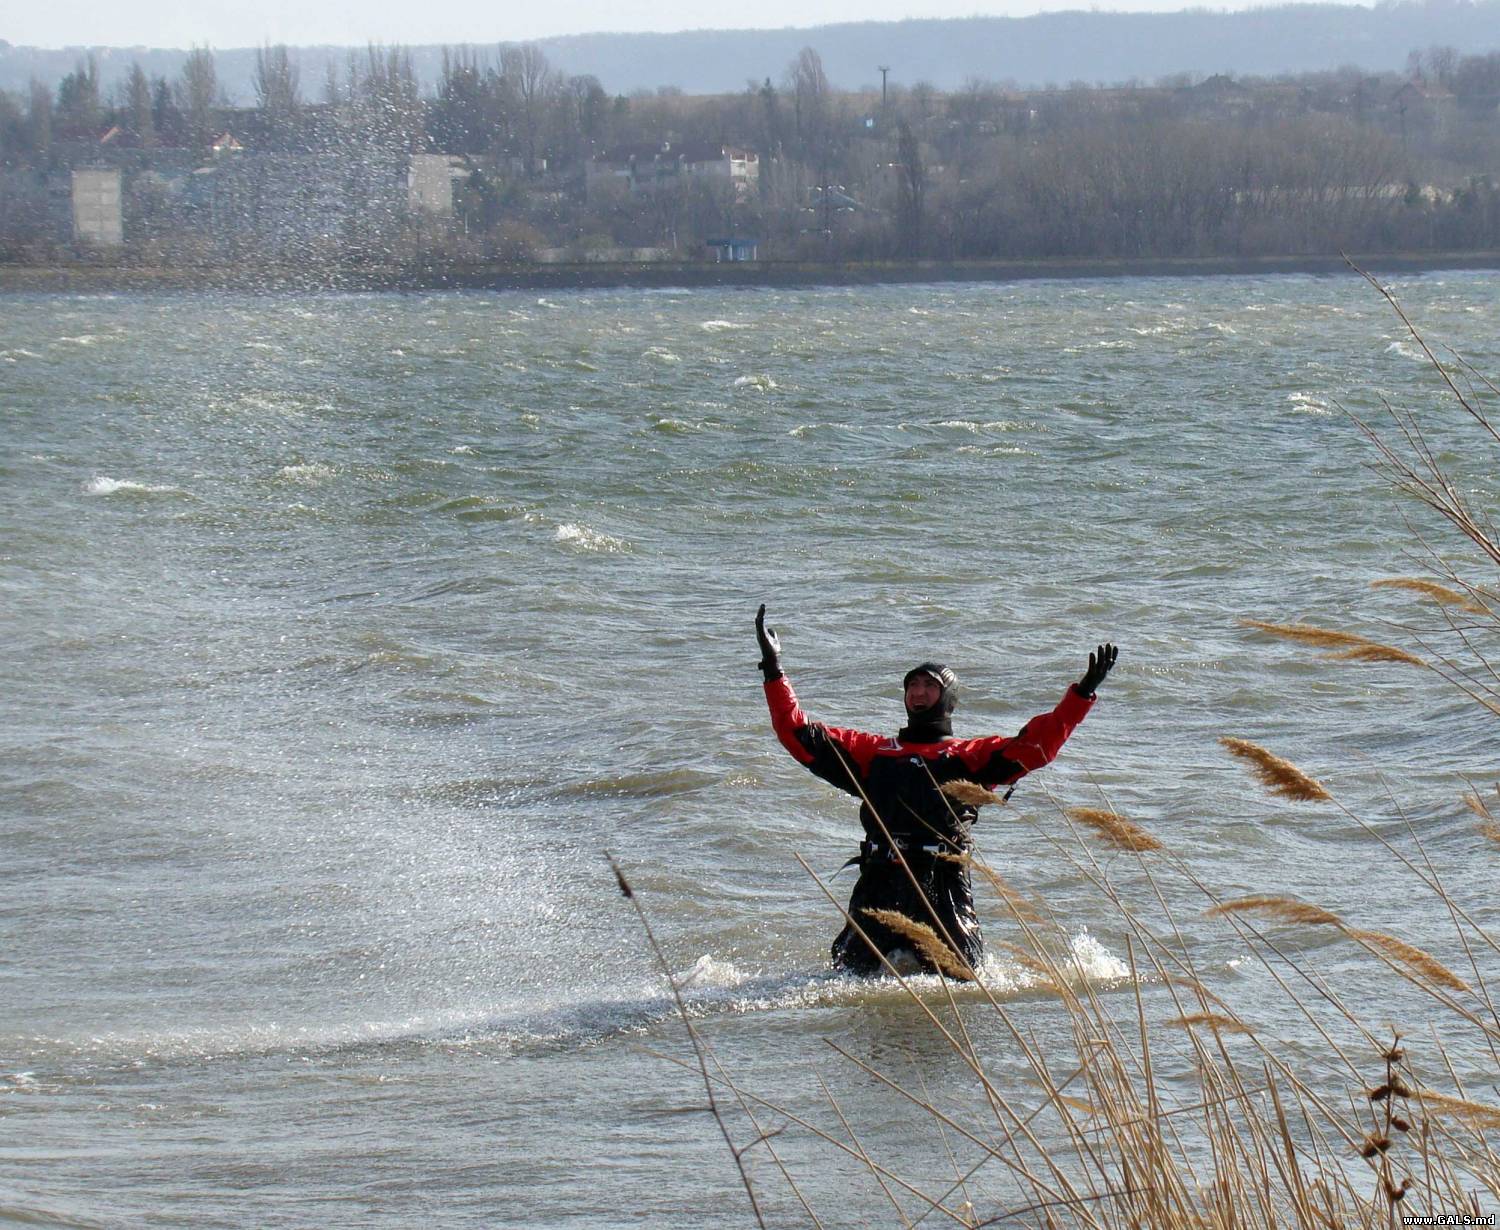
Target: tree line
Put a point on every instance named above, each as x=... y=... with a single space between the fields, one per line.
x=1301 y=164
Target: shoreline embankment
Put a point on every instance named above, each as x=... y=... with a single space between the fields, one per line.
x=86 y=276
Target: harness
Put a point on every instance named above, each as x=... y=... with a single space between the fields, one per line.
x=875 y=851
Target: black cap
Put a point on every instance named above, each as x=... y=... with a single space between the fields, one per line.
x=943 y=674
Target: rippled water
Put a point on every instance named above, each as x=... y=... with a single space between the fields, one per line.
x=345 y=633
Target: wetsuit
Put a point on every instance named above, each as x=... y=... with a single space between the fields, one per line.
x=897 y=783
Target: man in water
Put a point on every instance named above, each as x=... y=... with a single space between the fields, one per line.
x=912 y=829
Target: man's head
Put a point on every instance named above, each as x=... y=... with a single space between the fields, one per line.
x=930 y=691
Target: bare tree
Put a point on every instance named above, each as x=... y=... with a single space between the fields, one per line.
x=911 y=190
x=531 y=82
x=197 y=94
x=276 y=92
x=138 y=114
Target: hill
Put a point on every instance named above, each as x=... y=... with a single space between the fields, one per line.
x=1094 y=47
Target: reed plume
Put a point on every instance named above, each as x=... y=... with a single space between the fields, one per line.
x=1409 y=955
x=926 y=942
x=1213 y=1020
x=1014 y=900
x=1440 y=594
x=1376 y=652
x=971 y=793
x=1307 y=634
x=1284 y=909
x=1489 y=823
x=1475 y=1113
x=1282 y=776
x=1352 y=646
x=1114 y=828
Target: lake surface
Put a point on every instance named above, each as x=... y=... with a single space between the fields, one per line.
x=345 y=633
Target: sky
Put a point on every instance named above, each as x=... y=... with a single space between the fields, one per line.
x=180 y=23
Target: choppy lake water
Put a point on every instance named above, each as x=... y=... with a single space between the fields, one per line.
x=344 y=633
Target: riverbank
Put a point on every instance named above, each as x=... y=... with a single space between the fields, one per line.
x=86 y=276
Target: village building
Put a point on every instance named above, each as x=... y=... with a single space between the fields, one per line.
x=649 y=166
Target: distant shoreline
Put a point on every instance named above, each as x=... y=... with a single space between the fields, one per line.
x=84 y=277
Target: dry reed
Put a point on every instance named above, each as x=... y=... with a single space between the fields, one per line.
x=1014 y=901
x=1474 y=1113
x=1351 y=646
x=1283 y=909
x=926 y=943
x=1307 y=634
x=1375 y=652
x=1114 y=828
x=971 y=793
x=1440 y=594
x=1409 y=955
x=1281 y=776
x=1214 y=1020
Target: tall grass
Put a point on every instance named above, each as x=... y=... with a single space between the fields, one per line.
x=1246 y=1132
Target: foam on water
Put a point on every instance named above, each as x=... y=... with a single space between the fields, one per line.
x=760 y=382
x=308 y=474
x=103 y=485
x=583 y=538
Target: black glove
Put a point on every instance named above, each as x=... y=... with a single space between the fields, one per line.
x=1101 y=662
x=770 y=646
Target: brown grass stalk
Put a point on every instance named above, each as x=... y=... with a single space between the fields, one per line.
x=1307 y=634
x=1281 y=776
x=1351 y=646
x=1283 y=909
x=1213 y=1020
x=1409 y=955
x=1474 y=1113
x=926 y=942
x=1375 y=652
x=1114 y=828
x=1440 y=594
x=1016 y=902
x=971 y=793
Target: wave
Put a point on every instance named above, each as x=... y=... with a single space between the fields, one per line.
x=650 y=785
x=661 y=355
x=710 y=987
x=760 y=382
x=585 y=539
x=721 y=326
x=1308 y=403
x=308 y=473
x=102 y=485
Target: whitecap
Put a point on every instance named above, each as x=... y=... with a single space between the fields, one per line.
x=720 y=326
x=308 y=473
x=976 y=426
x=586 y=539
x=759 y=381
x=1094 y=961
x=261 y=346
x=462 y=450
x=1309 y=404
x=1407 y=351
x=661 y=355
x=102 y=485
x=83 y=339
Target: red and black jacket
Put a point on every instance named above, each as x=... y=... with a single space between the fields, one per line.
x=900 y=781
